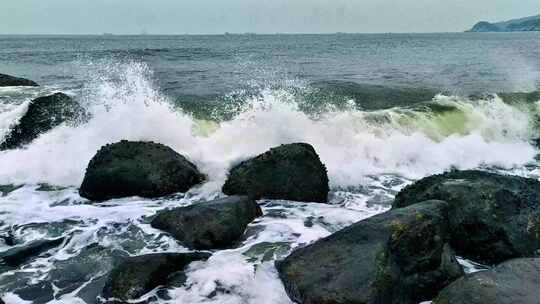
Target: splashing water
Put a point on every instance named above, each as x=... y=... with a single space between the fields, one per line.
x=369 y=155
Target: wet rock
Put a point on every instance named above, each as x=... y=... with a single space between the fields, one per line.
x=146 y=169
x=140 y=274
x=43 y=114
x=515 y=281
x=15 y=257
x=92 y=263
x=39 y=293
x=492 y=217
x=7 y=189
x=290 y=172
x=11 y=81
x=400 y=256
x=209 y=225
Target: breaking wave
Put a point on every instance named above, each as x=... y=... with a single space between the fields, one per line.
x=413 y=141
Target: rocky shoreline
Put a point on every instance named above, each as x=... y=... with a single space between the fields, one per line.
x=406 y=255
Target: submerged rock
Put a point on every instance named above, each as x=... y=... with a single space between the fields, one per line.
x=140 y=274
x=291 y=172
x=146 y=169
x=400 y=256
x=43 y=114
x=215 y=224
x=513 y=282
x=39 y=293
x=492 y=217
x=15 y=257
x=91 y=264
x=11 y=81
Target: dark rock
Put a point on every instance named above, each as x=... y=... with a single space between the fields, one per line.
x=40 y=293
x=290 y=172
x=14 y=257
x=92 y=263
x=513 y=282
x=400 y=256
x=215 y=224
x=138 y=275
x=11 y=81
x=43 y=114
x=7 y=189
x=144 y=169
x=492 y=217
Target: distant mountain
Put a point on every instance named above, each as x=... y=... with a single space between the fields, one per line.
x=528 y=24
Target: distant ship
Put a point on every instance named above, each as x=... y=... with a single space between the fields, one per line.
x=108 y=34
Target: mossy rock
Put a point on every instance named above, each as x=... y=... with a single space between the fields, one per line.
x=492 y=217
x=396 y=257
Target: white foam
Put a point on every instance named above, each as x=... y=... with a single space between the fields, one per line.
x=349 y=143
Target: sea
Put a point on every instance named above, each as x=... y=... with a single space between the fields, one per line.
x=381 y=110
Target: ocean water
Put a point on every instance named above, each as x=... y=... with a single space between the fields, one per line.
x=381 y=111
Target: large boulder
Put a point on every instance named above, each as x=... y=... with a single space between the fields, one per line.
x=492 y=217
x=16 y=256
x=400 y=256
x=514 y=282
x=140 y=274
x=42 y=115
x=11 y=81
x=209 y=225
x=145 y=169
x=290 y=172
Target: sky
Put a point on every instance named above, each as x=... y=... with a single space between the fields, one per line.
x=253 y=16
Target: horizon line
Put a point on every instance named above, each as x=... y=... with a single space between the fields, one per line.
x=225 y=33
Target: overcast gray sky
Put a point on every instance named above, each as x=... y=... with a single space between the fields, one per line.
x=260 y=16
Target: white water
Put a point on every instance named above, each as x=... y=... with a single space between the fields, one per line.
x=349 y=143
x=369 y=157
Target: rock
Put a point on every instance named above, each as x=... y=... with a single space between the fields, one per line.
x=215 y=224
x=400 y=256
x=93 y=262
x=144 y=169
x=39 y=293
x=43 y=114
x=11 y=81
x=291 y=172
x=513 y=282
x=15 y=257
x=492 y=217
x=140 y=274
x=7 y=189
